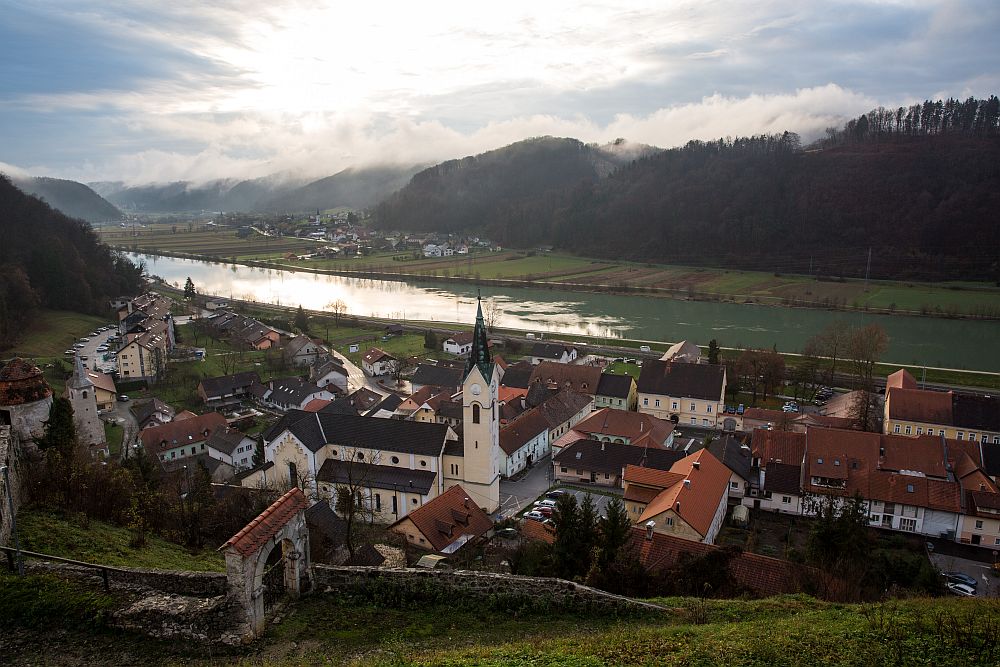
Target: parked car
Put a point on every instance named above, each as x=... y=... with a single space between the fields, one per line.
x=548 y=502
x=102 y=348
x=645 y=348
x=84 y=340
x=960 y=578
x=84 y=358
x=534 y=516
x=544 y=511
x=69 y=353
x=78 y=346
x=123 y=398
x=507 y=533
x=555 y=493
x=961 y=589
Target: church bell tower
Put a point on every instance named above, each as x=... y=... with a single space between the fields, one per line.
x=481 y=421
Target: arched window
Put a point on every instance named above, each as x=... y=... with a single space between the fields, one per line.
x=85 y=393
x=395 y=459
x=361 y=456
x=475 y=413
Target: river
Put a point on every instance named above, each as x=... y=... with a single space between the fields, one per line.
x=970 y=344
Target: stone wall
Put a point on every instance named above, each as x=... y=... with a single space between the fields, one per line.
x=175 y=582
x=475 y=587
x=9 y=456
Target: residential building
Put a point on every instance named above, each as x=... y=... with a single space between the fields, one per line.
x=688 y=501
x=683 y=352
x=330 y=372
x=779 y=420
x=733 y=453
x=227 y=389
x=439 y=377
x=459 y=344
x=563 y=410
x=377 y=362
x=180 y=439
x=557 y=352
x=104 y=389
x=523 y=442
x=684 y=393
x=152 y=412
x=446 y=523
x=622 y=427
x=303 y=351
x=603 y=463
x=144 y=356
x=218 y=470
x=912 y=411
x=616 y=391
x=231 y=447
x=289 y=393
x=981 y=521
x=556 y=375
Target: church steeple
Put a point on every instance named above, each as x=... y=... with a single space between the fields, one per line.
x=480 y=355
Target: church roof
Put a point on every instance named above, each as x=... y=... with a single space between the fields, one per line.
x=80 y=379
x=480 y=356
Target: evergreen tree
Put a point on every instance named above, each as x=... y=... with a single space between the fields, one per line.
x=430 y=340
x=614 y=531
x=189 y=291
x=587 y=532
x=713 y=351
x=567 y=547
x=60 y=432
x=301 y=320
x=258 y=452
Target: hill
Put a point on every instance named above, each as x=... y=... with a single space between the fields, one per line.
x=187 y=197
x=50 y=260
x=353 y=188
x=74 y=199
x=919 y=186
x=504 y=192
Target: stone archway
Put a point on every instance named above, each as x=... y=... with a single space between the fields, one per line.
x=271 y=549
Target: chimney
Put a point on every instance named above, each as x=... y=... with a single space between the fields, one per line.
x=696 y=465
x=677 y=506
x=649 y=530
x=687 y=485
x=602 y=445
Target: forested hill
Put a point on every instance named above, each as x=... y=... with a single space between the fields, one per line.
x=48 y=260
x=74 y=199
x=502 y=192
x=353 y=188
x=920 y=186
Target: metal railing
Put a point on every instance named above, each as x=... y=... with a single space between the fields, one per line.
x=13 y=554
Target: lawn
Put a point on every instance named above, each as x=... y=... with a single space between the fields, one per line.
x=51 y=332
x=97 y=542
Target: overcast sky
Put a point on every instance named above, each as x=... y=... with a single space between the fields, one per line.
x=200 y=89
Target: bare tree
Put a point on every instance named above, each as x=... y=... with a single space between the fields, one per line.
x=492 y=314
x=394 y=369
x=864 y=347
x=339 y=309
x=355 y=501
x=829 y=343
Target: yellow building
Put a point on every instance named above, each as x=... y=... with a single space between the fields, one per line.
x=684 y=393
x=912 y=411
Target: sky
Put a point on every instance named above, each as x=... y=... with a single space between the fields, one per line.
x=195 y=90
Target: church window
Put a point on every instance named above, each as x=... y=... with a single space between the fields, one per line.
x=395 y=459
x=85 y=394
x=475 y=413
x=423 y=464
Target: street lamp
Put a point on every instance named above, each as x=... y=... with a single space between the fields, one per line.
x=13 y=520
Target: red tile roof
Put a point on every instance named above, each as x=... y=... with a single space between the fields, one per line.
x=920 y=405
x=536 y=530
x=448 y=517
x=316 y=405
x=901 y=379
x=268 y=524
x=179 y=433
x=779 y=446
x=640 y=429
x=374 y=355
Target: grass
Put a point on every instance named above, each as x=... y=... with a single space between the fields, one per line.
x=52 y=332
x=114 y=434
x=105 y=544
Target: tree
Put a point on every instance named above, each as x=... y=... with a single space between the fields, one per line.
x=492 y=314
x=355 y=502
x=587 y=533
x=301 y=321
x=189 y=290
x=339 y=309
x=864 y=347
x=567 y=549
x=430 y=340
x=713 y=351
x=840 y=541
x=614 y=531
x=60 y=431
x=828 y=343
x=394 y=368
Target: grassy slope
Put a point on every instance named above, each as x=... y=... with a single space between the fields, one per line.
x=54 y=331
x=106 y=544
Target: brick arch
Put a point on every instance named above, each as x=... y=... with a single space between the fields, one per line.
x=280 y=526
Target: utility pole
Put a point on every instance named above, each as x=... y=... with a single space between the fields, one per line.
x=13 y=521
x=868 y=267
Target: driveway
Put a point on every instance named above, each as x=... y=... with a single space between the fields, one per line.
x=518 y=494
x=90 y=349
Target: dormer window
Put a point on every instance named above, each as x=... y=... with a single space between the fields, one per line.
x=909 y=488
x=819 y=461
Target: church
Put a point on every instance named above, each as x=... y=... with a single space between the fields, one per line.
x=393 y=467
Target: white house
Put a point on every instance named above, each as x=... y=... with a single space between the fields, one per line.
x=460 y=344
x=431 y=250
x=327 y=372
x=523 y=442
x=377 y=362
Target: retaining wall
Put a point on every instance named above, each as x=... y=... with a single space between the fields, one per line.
x=10 y=457
x=176 y=582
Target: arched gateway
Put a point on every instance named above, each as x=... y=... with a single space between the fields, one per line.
x=270 y=556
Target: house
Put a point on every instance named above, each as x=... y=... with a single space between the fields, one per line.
x=227 y=389
x=303 y=351
x=459 y=344
x=329 y=372
x=912 y=411
x=144 y=356
x=231 y=447
x=219 y=471
x=524 y=442
x=981 y=521
x=775 y=482
x=616 y=391
x=581 y=379
x=557 y=352
x=104 y=389
x=684 y=393
x=604 y=463
x=180 y=439
x=432 y=250
x=517 y=376
x=290 y=393
x=438 y=377
x=153 y=412
x=688 y=501
x=378 y=362
x=735 y=455
x=621 y=427
x=563 y=410
x=683 y=352
x=754 y=418
x=394 y=466
x=445 y=524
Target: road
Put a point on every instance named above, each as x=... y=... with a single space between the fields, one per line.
x=989 y=585
x=518 y=494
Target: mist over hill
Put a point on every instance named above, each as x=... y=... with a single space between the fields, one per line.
x=74 y=199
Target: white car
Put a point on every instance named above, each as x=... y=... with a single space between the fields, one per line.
x=534 y=516
x=961 y=589
x=548 y=502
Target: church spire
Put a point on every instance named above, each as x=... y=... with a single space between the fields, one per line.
x=80 y=379
x=480 y=354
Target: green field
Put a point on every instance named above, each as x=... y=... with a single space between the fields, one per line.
x=98 y=542
x=53 y=331
x=216 y=242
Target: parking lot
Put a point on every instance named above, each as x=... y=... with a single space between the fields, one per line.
x=94 y=359
x=989 y=584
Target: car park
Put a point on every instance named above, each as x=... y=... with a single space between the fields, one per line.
x=961 y=589
x=534 y=516
x=960 y=578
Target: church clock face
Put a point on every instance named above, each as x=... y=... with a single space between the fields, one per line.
x=476 y=390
